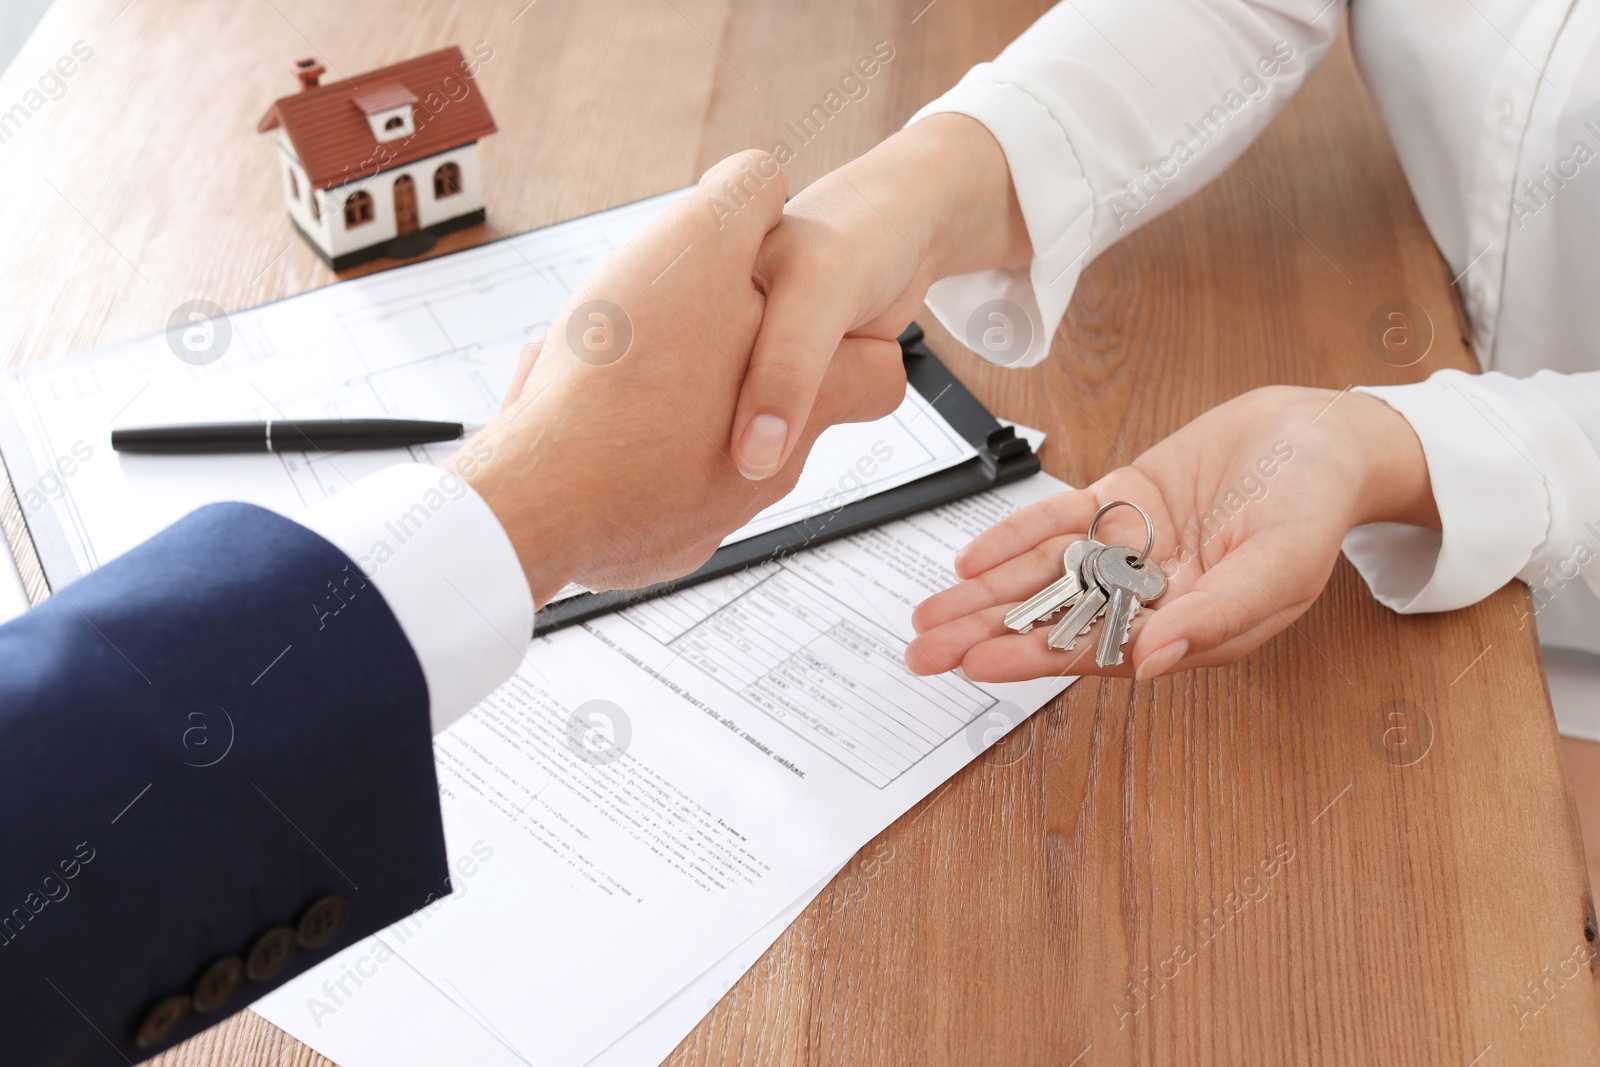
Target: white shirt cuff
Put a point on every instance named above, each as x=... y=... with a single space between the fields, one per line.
x=444 y=565
x=1057 y=206
x=1493 y=502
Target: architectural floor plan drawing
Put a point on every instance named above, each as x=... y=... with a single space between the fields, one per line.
x=432 y=340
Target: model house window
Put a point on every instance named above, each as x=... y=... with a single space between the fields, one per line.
x=446 y=181
x=358 y=208
x=294 y=186
x=395 y=123
x=316 y=207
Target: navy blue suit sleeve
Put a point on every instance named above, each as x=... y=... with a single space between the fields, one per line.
x=210 y=780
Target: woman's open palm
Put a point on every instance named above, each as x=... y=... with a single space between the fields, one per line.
x=1250 y=501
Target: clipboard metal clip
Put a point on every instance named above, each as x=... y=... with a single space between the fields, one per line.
x=1002 y=445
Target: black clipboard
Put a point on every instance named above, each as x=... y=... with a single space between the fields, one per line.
x=1002 y=457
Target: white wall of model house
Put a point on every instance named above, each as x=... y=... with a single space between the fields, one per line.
x=335 y=238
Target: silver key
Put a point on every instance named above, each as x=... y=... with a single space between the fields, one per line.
x=1128 y=589
x=1081 y=617
x=1061 y=593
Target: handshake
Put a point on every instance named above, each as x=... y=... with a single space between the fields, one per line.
x=677 y=348
x=717 y=345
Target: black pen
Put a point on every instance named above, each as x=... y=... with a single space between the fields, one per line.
x=284 y=435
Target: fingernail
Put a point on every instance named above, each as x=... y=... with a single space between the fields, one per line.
x=1162 y=659
x=762 y=446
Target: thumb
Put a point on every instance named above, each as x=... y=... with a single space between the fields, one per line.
x=801 y=327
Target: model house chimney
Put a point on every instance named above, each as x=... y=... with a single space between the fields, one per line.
x=308 y=70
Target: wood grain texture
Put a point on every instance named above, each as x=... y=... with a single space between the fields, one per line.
x=1583 y=769
x=1092 y=890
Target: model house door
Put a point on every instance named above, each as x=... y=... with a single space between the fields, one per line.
x=405 y=205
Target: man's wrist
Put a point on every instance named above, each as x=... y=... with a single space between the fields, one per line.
x=507 y=475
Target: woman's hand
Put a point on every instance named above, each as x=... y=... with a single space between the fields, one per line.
x=853 y=257
x=1250 y=502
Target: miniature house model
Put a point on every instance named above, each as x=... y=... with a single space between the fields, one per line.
x=384 y=163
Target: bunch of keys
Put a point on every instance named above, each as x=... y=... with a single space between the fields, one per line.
x=1100 y=579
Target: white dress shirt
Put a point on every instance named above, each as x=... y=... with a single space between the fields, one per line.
x=444 y=565
x=1110 y=112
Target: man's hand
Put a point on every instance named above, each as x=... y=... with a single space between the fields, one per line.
x=610 y=464
x=1250 y=501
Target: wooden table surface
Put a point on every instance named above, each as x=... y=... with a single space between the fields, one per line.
x=1092 y=890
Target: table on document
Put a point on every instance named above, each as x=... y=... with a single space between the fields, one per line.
x=830 y=673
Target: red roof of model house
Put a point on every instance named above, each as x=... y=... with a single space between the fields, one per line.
x=327 y=124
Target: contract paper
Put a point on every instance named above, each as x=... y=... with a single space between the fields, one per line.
x=634 y=812
x=432 y=340
x=378 y=1021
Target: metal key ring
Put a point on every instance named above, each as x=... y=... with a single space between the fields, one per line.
x=1149 y=526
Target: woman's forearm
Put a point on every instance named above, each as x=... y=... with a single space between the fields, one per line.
x=943 y=185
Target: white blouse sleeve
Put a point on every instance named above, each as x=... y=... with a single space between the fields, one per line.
x=1515 y=467
x=1110 y=113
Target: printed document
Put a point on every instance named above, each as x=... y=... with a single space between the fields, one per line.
x=650 y=792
